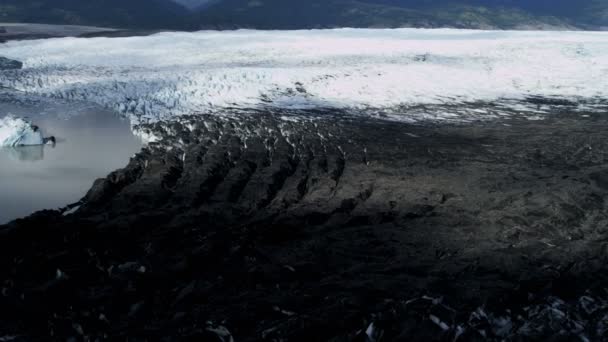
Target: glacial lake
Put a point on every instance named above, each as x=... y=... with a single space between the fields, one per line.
x=91 y=143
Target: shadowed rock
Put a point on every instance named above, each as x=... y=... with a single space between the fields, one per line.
x=9 y=64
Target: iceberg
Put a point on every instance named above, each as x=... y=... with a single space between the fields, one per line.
x=15 y=132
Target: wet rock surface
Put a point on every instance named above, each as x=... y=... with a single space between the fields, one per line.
x=326 y=228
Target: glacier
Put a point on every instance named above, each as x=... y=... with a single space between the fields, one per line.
x=403 y=74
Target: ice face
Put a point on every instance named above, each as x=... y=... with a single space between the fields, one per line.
x=16 y=132
x=401 y=73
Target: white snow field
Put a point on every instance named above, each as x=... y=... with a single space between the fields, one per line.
x=407 y=74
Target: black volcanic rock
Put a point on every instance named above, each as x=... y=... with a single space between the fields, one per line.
x=310 y=229
x=9 y=64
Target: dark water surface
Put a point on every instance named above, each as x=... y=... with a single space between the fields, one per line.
x=90 y=145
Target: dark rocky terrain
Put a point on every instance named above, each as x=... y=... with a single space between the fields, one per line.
x=9 y=64
x=326 y=228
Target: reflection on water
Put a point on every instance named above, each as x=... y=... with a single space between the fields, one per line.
x=91 y=145
x=25 y=153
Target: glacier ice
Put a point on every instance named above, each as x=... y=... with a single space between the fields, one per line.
x=409 y=74
x=16 y=132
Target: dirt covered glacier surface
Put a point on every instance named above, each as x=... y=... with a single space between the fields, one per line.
x=325 y=227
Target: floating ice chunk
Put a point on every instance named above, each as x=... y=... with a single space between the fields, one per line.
x=16 y=132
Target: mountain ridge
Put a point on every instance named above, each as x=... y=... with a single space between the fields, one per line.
x=347 y=13
x=280 y=14
x=477 y=14
x=159 y=14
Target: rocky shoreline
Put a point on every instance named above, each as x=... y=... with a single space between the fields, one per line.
x=267 y=227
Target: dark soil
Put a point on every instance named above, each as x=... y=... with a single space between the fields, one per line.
x=257 y=228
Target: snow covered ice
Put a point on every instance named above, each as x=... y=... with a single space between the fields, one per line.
x=16 y=132
x=408 y=74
